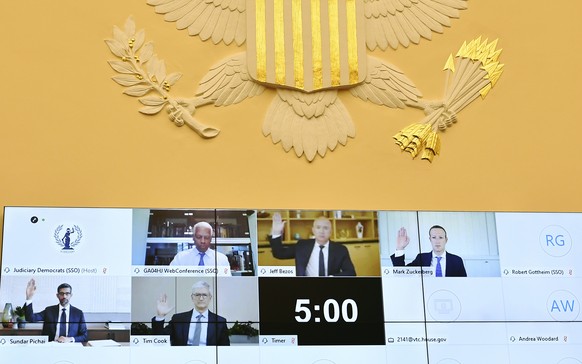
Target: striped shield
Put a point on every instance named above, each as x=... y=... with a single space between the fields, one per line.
x=306 y=44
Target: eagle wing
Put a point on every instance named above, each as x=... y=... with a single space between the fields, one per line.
x=386 y=85
x=219 y=20
x=228 y=82
x=393 y=22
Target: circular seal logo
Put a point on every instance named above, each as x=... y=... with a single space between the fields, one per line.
x=555 y=241
x=68 y=237
x=563 y=306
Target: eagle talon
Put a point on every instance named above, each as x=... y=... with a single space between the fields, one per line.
x=189 y=104
x=175 y=115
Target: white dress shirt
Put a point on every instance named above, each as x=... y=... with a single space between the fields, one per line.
x=312 y=269
x=192 y=257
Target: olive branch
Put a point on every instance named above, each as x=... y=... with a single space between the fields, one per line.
x=57 y=236
x=142 y=73
x=79 y=235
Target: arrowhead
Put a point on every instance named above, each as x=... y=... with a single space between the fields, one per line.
x=450 y=65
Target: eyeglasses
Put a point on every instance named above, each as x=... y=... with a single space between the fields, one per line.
x=200 y=295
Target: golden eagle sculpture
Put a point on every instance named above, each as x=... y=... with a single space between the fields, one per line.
x=309 y=50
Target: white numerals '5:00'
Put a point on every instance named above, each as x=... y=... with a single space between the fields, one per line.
x=331 y=310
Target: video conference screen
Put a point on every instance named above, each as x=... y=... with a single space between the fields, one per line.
x=217 y=286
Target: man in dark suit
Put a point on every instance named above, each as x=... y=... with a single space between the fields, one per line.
x=313 y=257
x=62 y=323
x=445 y=264
x=197 y=327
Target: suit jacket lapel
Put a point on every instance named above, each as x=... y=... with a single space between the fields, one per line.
x=449 y=266
x=74 y=321
x=426 y=259
x=185 y=326
x=211 y=332
x=302 y=254
x=331 y=263
x=55 y=314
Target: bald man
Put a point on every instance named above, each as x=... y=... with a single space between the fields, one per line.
x=318 y=257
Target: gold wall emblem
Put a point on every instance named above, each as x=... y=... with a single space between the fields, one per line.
x=309 y=50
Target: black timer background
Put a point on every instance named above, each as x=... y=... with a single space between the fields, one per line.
x=277 y=302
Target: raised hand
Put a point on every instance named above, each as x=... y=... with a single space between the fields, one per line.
x=278 y=224
x=402 y=239
x=163 y=307
x=30 y=289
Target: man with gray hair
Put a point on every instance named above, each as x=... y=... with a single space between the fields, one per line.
x=201 y=254
x=197 y=327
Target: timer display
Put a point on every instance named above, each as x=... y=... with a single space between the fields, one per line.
x=331 y=310
x=323 y=311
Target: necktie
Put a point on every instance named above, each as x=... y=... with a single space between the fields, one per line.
x=201 y=262
x=197 y=330
x=439 y=269
x=321 y=262
x=63 y=324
